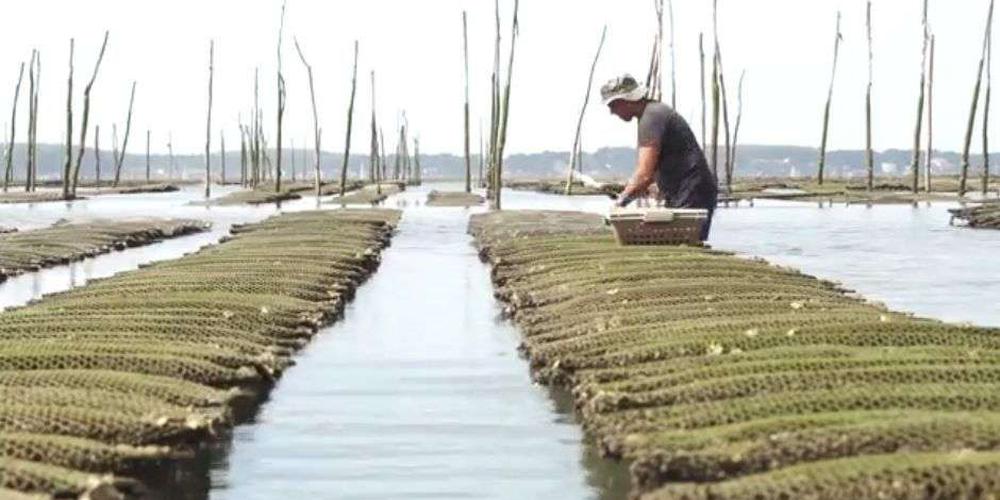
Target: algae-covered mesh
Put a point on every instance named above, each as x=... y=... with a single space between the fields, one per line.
x=727 y=377
x=986 y=215
x=142 y=366
x=25 y=251
x=369 y=195
x=252 y=197
x=453 y=199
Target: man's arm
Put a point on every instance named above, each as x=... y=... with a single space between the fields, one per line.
x=644 y=176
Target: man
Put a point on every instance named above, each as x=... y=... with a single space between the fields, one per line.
x=669 y=154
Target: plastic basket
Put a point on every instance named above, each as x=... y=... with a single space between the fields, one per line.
x=658 y=226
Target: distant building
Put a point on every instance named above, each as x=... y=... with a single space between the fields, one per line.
x=889 y=168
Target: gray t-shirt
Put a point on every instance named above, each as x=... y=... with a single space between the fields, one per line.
x=682 y=173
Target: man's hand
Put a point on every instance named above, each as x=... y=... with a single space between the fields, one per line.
x=645 y=172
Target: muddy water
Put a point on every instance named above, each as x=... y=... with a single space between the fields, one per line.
x=417 y=393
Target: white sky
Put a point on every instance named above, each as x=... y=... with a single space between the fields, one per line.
x=785 y=46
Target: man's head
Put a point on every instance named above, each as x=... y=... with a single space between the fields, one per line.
x=624 y=96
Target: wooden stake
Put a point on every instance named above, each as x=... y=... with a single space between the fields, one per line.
x=97 y=156
x=736 y=128
x=243 y=154
x=114 y=144
x=481 y=157
x=31 y=123
x=374 y=159
x=317 y=182
x=281 y=110
x=574 y=154
x=704 y=118
x=505 y=110
x=964 y=173
x=728 y=168
x=869 y=153
x=208 y=121
x=256 y=132
x=128 y=127
x=9 y=169
x=829 y=101
x=930 y=121
x=465 y=52
x=917 y=132
x=382 y=159
x=416 y=160
x=654 y=79
x=222 y=153
x=67 y=166
x=494 y=108
x=715 y=90
x=170 y=151
x=86 y=114
x=986 y=115
x=350 y=122
x=673 y=58
x=147 y=154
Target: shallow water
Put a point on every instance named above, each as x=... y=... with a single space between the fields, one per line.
x=907 y=257
x=419 y=391
x=20 y=289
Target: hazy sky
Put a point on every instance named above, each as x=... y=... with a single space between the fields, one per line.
x=785 y=46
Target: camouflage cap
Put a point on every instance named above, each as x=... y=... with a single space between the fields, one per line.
x=624 y=87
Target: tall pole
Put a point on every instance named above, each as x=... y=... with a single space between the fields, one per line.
x=148 y=133
x=128 y=128
x=350 y=122
x=86 y=114
x=970 y=125
x=255 y=131
x=701 y=51
x=481 y=153
x=829 y=101
x=316 y=130
x=736 y=128
x=869 y=153
x=575 y=153
x=494 y=107
x=728 y=168
x=374 y=159
x=208 y=121
x=97 y=156
x=673 y=58
x=170 y=152
x=465 y=51
x=915 y=163
x=9 y=168
x=281 y=106
x=31 y=122
x=222 y=151
x=505 y=110
x=243 y=154
x=930 y=120
x=986 y=115
x=715 y=89
x=68 y=165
